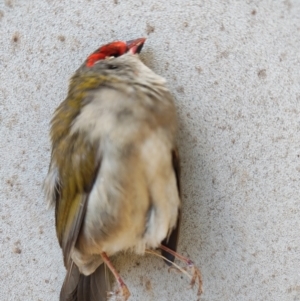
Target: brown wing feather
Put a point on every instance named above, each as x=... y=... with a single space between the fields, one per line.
x=172 y=241
x=77 y=176
x=77 y=162
x=77 y=173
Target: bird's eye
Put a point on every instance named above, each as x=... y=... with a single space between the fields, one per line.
x=112 y=67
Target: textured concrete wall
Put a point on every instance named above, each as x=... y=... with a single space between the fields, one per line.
x=233 y=67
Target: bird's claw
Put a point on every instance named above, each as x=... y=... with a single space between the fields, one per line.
x=196 y=278
x=122 y=294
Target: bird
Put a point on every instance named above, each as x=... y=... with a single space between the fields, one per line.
x=114 y=172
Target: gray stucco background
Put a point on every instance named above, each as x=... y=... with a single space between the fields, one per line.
x=233 y=68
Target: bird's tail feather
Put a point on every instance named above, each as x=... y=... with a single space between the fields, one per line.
x=78 y=287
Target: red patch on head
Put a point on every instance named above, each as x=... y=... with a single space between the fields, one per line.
x=112 y=49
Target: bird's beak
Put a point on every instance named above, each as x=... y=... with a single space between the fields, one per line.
x=135 y=46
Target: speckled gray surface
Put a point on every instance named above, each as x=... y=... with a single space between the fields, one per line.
x=233 y=67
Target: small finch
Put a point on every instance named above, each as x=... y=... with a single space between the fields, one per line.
x=114 y=170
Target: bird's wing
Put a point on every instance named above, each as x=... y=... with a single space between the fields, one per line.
x=172 y=240
x=74 y=166
x=77 y=171
x=75 y=163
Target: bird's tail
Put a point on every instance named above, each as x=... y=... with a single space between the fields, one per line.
x=78 y=287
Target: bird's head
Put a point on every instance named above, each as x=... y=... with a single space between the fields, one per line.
x=115 y=49
x=117 y=62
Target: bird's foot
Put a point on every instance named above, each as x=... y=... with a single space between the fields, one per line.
x=196 y=277
x=123 y=292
